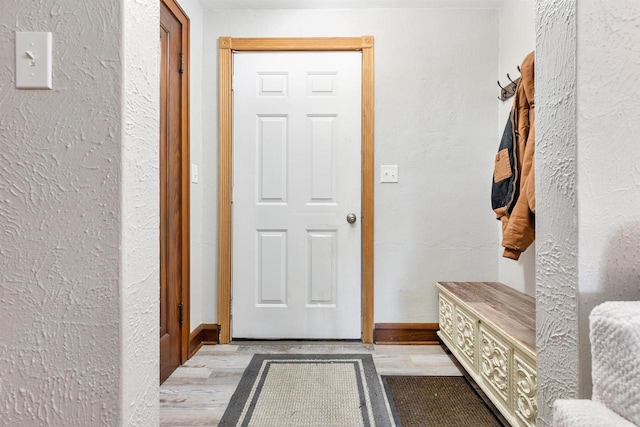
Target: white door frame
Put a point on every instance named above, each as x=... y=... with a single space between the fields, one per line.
x=227 y=46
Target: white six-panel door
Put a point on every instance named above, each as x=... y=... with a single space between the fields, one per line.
x=296 y=177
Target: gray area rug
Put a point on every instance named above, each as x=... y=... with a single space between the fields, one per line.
x=308 y=390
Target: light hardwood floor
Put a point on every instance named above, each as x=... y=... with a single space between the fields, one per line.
x=197 y=393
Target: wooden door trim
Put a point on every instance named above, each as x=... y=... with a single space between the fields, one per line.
x=227 y=46
x=185 y=181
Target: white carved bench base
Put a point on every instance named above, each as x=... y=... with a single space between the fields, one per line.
x=490 y=329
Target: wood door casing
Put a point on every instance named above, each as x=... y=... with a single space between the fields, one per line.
x=227 y=46
x=174 y=192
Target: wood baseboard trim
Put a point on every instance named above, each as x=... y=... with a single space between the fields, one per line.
x=204 y=333
x=406 y=333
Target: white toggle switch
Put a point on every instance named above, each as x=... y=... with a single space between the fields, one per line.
x=194 y=173
x=34 y=60
x=389 y=173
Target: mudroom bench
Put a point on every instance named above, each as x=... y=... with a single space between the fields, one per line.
x=490 y=328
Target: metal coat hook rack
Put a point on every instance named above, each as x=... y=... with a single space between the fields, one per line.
x=508 y=90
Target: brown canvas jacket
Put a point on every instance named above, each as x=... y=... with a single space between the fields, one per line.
x=518 y=227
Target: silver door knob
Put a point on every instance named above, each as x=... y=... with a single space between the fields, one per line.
x=351 y=218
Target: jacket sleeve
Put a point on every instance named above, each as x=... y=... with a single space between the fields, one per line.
x=520 y=230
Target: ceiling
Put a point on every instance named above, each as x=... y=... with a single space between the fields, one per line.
x=347 y=4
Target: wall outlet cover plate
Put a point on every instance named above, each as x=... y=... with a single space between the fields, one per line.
x=389 y=173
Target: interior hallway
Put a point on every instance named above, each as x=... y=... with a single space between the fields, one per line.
x=198 y=392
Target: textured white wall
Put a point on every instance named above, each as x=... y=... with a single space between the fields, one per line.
x=557 y=358
x=588 y=178
x=608 y=172
x=588 y=181
x=140 y=211
x=78 y=238
x=517 y=39
x=60 y=211
x=209 y=176
x=60 y=220
x=436 y=115
x=194 y=11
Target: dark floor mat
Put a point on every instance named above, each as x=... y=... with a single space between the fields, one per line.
x=436 y=402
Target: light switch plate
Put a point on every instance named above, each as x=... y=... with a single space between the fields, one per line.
x=194 y=173
x=389 y=173
x=34 y=60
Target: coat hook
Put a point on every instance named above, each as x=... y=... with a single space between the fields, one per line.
x=503 y=91
x=519 y=69
x=510 y=79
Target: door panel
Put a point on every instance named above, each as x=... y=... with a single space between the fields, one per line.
x=321 y=164
x=272 y=268
x=272 y=148
x=170 y=193
x=322 y=275
x=297 y=174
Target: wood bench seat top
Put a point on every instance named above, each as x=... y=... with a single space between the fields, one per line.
x=505 y=308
